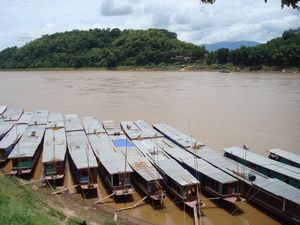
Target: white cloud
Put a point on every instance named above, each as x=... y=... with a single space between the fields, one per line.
x=115 y=8
x=22 y=21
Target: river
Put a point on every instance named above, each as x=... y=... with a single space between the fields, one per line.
x=260 y=110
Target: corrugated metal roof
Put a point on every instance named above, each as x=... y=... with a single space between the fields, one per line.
x=12 y=114
x=150 y=149
x=285 y=154
x=110 y=156
x=2 y=109
x=55 y=120
x=13 y=136
x=139 y=129
x=141 y=165
x=112 y=128
x=180 y=138
x=200 y=165
x=232 y=167
x=29 y=142
x=176 y=172
x=92 y=126
x=80 y=150
x=5 y=127
x=72 y=123
x=25 y=118
x=171 y=168
x=55 y=145
x=39 y=117
x=279 y=188
x=265 y=162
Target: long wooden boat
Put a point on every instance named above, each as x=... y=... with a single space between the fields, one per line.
x=146 y=176
x=176 y=179
x=182 y=184
x=26 y=152
x=212 y=179
x=82 y=160
x=113 y=169
x=8 y=120
x=268 y=167
x=54 y=148
x=12 y=137
x=270 y=193
x=284 y=157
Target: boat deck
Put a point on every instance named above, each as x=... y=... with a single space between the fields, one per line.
x=29 y=142
x=139 y=130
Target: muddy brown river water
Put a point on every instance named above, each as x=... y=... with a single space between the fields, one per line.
x=261 y=110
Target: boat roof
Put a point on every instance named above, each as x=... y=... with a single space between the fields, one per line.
x=29 y=142
x=25 y=118
x=92 y=126
x=274 y=186
x=109 y=154
x=39 y=117
x=267 y=163
x=198 y=164
x=13 y=135
x=140 y=164
x=151 y=150
x=5 y=127
x=279 y=188
x=55 y=120
x=175 y=135
x=72 y=123
x=285 y=154
x=176 y=172
x=2 y=109
x=80 y=150
x=12 y=114
x=112 y=128
x=55 y=145
x=138 y=129
x=170 y=167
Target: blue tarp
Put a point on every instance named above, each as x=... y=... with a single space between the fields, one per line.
x=122 y=143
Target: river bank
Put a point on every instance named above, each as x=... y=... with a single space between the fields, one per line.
x=225 y=68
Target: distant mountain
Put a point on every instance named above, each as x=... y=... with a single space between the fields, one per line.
x=231 y=45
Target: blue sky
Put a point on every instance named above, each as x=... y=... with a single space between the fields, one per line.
x=227 y=20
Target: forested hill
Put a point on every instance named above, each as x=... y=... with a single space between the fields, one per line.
x=153 y=48
x=100 y=48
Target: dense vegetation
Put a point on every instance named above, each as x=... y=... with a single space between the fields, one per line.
x=100 y=48
x=153 y=48
x=282 y=52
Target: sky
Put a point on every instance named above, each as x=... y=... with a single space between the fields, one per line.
x=227 y=20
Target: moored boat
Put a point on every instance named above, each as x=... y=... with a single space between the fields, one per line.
x=177 y=180
x=12 y=137
x=82 y=160
x=25 y=153
x=113 y=169
x=284 y=157
x=146 y=176
x=270 y=193
x=54 y=148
